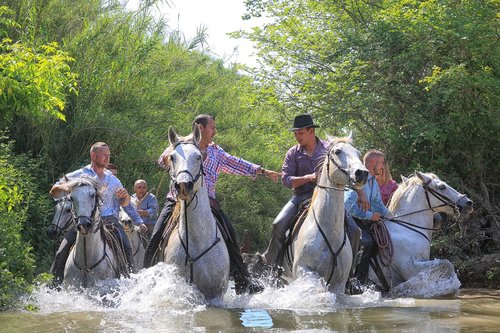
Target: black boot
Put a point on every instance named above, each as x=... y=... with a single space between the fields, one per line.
x=245 y=284
x=152 y=247
x=59 y=264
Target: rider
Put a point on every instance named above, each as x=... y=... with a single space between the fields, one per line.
x=299 y=172
x=215 y=160
x=374 y=161
x=146 y=204
x=114 y=196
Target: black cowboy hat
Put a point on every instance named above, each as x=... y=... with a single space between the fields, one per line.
x=303 y=121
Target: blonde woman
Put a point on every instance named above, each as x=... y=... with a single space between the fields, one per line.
x=386 y=184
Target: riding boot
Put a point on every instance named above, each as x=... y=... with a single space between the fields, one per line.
x=275 y=250
x=242 y=280
x=154 y=241
x=367 y=250
x=59 y=263
x=153 y=244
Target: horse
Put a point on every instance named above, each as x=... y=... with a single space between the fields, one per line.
x=410 y=229
x=321 y=244
x=195 y=246
x=138 y=242
x=63 y=218
x=97 y=252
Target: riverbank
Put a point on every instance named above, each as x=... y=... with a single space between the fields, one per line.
x=479 y=272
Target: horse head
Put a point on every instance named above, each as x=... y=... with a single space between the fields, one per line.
x=63 y=218
x=85 y=193
x=185 y=162
x=126 y=221
x=435 y=195
x=440 y=194
x=349 y=167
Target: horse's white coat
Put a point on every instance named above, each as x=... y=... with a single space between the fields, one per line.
x=210 y=272
x=411 y=249
x=134 y=236
x=83 y=192
x=310 y=250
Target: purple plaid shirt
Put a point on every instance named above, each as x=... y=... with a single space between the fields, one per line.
x=218 y=161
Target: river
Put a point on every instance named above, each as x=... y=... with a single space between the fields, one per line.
x=157 y=300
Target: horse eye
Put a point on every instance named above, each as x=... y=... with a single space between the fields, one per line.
x=338 y=151
x=442 y=187
x=199 y=157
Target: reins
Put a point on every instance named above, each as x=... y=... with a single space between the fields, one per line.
x=445 y=202
x=185 y=245
x=67 y=224
x=321 y=231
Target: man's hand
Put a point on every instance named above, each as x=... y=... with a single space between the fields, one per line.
x=143 y=227
x=376 y=217
x=123 y=195
x=143 y=213
x=273 y=175
x=363 y=203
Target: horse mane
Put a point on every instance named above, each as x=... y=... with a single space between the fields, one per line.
x=405 y=187
x=84 y=180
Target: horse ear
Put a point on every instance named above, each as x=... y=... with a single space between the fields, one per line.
x=329 y=138
x=196 y=133
x=172 y=136
x=422 y=176
x=404 y=179
x=350 y=136
x=66 y=179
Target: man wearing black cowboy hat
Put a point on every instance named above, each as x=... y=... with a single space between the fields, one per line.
x=301 y=164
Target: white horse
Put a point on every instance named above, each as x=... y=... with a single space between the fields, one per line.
x=63 y=218
x=322 y=245
x=409 y=270
x=138 y=241
x=91 y=259
x=196 y=245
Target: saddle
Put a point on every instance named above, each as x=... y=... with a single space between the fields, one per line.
x=294 y=228
x=172 y=224
x=111 y=236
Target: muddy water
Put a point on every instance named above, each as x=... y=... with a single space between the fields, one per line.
x=156 y=300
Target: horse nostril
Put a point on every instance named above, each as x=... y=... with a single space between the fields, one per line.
x=358 y=173
x=469 y=203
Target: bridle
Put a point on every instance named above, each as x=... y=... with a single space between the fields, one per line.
x=62 y=202
x=200 y=174
x=329 y=159
x=185 y=245
x=334 y=254
x=96 y=226
x=428 y=191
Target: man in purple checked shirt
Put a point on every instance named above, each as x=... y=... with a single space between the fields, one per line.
x=215 y=161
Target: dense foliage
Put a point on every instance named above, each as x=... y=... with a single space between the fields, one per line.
x=417 y=79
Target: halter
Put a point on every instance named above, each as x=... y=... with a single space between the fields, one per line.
x=201 y=171
x=185 y=245
x=445 y=202
x=343 y=170
x=67 y=224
